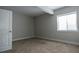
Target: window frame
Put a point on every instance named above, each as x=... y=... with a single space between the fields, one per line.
x=64 y=15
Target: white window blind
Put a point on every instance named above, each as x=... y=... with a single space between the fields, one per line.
x=67 y=22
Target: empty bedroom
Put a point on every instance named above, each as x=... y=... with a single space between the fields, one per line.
x=39 y=29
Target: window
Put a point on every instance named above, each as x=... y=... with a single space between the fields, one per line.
x=67 y=22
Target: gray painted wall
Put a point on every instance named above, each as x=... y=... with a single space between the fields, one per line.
x=23 y=26
x=45 y=26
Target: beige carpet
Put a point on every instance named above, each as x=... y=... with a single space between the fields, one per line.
x=42 y=46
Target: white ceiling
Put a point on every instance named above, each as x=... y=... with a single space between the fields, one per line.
x=32 y=10
x=54 y=7
x=49 y=9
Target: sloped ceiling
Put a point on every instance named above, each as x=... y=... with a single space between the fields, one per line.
x=32 y=10
x=49 y=9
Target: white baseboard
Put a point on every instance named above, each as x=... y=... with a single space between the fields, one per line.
x=64 y=41
x=23 y=38
x=69 y=42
